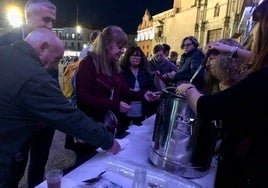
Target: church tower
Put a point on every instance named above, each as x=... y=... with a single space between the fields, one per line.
x=177 y=4
x=145 y=34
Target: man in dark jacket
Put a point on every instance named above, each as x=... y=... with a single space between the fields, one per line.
x=38 y=14
x=28 y=95
x=190 y=61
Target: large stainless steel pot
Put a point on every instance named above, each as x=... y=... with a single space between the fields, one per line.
x=182 y=143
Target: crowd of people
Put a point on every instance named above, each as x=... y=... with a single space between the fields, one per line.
x=114 y=85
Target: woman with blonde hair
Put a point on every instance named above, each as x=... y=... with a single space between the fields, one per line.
x=100 y=86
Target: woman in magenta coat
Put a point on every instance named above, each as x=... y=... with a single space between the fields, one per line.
x=100 y=85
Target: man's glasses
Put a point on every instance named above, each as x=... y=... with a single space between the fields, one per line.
x=187 y=45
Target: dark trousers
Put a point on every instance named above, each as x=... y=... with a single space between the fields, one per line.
x=19 y=162
x=39 y=152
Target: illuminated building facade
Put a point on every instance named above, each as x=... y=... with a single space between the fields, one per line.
x=207 y=20
x=145 y=34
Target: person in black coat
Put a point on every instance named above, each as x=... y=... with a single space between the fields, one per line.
x=190 y=61
x=38 y=14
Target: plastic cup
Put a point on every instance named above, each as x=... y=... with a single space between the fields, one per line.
x=53 y=178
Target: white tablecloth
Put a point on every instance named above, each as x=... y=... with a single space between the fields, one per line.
x=135 y=148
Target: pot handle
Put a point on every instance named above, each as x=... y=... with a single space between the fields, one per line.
x=172 y=91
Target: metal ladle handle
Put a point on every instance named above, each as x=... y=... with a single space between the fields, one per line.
x=203 y=63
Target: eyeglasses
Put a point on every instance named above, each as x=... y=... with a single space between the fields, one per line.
x=135 y=56
x=187 y=45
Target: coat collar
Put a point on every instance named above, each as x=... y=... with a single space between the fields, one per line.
x=27 y=49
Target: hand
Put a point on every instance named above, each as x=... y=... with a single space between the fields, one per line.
x=115 y=148
x=171 y=75
x=151 y=96
x=220 y=47
x=157 y=93
x=182 y=88
x=158 y=73
x=165 y=76
x=124 y=107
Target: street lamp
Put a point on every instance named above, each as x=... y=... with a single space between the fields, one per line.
x=78 y=28
x=76 y=12
x=14 y=16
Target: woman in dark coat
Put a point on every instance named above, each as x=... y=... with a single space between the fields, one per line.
x=134 y=70
x=190 y=61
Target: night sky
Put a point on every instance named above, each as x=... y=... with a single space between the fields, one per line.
x=100 y=13
x=124 y=13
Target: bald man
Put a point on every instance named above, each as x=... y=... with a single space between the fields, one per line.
x=28 y=95
x=38 y=14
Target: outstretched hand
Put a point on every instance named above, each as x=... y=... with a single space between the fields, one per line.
x=115 y=148
x=124 y=107
x=151 y=96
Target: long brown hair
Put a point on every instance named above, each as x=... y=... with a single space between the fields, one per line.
x=229 y=69
x=110 y=35
x=125 y=63
x=260 y=43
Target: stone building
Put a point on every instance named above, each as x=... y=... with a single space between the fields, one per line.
x=145 y=34
x=207 y=20
x=73 y=40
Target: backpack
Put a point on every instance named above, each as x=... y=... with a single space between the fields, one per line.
x=68 y=89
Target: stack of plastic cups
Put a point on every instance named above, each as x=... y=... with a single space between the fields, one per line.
x=143 y=176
